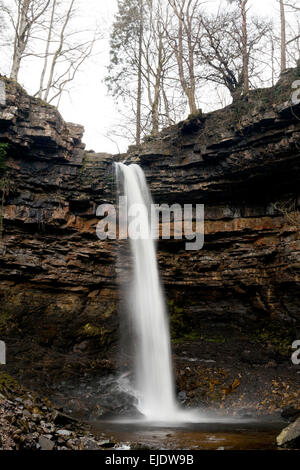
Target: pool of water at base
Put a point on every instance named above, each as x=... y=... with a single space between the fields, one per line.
x=238 y=435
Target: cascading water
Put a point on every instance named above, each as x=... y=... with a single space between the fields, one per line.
x=154 y=373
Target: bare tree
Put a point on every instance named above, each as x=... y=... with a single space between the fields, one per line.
x=124 y=79
x=155 y=65
x=283 y=35
x=139 y=67
x=185 y=40
x=242 y=4
x=65 y=52
x=291 y=7
x=221 y=52
x=139 y=84
x=25 y=19
x=48 y=43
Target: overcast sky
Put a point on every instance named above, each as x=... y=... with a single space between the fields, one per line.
x=88 y=103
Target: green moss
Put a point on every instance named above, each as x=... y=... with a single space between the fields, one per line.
x=83 y=168
x=90 y=330
x=198 y=114
x=5 y=187
x=191 y=336
x=194 y=336
x=179 y=324
x=111 y=310
x=43 y=103
x=101 y=334
x=213 y=339
x=4 y=319
x=8 y=384
x=3 y=155
x=274 y=334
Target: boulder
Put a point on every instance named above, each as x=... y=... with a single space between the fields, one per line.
x=290 y=436
x=45 y=443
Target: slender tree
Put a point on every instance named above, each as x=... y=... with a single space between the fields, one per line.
x=139 y=72
x=156 y=65
x=48 y=45
x=124 y=79
x=66 y=50
x=242 y=5
x=185 y=39
x=294 y=8
x=25 y=21
x=221 y=52
x=283 y=35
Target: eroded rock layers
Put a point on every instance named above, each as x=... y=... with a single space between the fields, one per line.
x=58 y=296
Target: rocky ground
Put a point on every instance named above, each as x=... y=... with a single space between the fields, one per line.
x=28 y=422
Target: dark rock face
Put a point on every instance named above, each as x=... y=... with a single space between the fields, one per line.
x=243 y=163
x=57 y=280
x=58 y=305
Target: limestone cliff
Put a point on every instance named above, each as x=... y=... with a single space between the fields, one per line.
x=58 y=297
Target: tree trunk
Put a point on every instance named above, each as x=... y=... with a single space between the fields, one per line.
x=186 y=77
x=139 y=86
x=191 y=92
x=245 y=46
x=47 y=50
x=14 y=73
x=157 y=89
x=188 y=90
x=20 y=39
x=191 y=99
x=283 y=36
x=58 y=51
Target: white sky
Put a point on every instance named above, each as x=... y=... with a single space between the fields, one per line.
x=88 y=103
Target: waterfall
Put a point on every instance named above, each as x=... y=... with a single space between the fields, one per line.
x=153 y=367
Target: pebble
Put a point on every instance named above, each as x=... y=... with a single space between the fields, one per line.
x=64 y=432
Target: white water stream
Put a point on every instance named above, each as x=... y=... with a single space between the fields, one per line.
x=154 y=372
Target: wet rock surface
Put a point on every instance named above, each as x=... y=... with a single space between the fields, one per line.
x=98 y=398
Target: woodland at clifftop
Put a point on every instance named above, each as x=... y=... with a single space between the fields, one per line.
x=212 y=112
